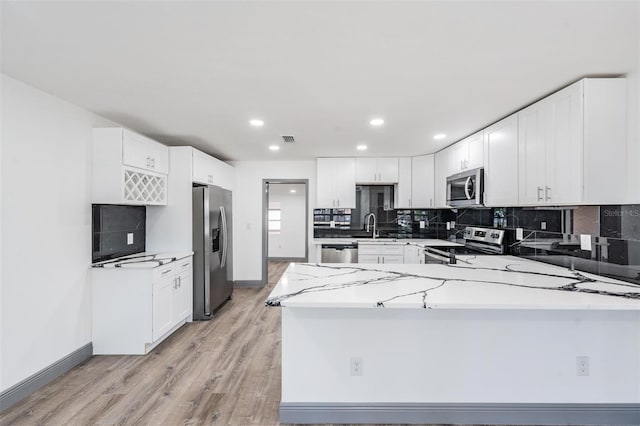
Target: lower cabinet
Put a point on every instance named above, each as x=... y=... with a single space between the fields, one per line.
x=134 y=309
x=413 y=254
x=380 y=253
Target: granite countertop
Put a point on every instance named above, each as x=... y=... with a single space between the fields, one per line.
x=142 y=260
x=483 y=282
x=390 y=241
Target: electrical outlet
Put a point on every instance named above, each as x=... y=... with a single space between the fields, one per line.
x=129 y=238
x=582 y=365
x=356 y=366
x=543 y=226
x=519 y=234
x=448 y=226
x=422 y=224
x=332 y=224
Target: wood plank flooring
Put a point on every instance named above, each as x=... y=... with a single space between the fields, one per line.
x=220 y=372
x=223 y=371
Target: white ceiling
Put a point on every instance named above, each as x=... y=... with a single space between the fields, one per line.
x=196 y=72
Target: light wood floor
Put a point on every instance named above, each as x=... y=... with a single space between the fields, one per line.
x=223 y=371
x=220 y=372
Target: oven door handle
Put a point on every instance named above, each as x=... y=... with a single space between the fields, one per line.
x=440 y=255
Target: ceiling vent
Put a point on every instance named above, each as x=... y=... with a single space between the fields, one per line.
x=288 y=139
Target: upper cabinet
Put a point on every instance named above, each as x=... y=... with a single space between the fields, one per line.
x=128 y=168
x=336 y=186
x=208 y=170
x=382 y=170
x=468 y=153
x=501 y=163
x=568 y=139
x=443 y=169
x=144 y=153
x=422 y=178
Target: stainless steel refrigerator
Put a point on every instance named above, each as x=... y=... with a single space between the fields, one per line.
x=213 y=250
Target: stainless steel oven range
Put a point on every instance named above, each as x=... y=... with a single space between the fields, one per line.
x=477 y=241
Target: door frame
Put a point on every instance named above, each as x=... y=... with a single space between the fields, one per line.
x=265 y=223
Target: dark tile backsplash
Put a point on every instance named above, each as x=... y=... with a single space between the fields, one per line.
x=552 y=235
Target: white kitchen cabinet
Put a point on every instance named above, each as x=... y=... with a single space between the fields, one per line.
x=468 y=153
x=228 y=176
x=144 y=153
x=377 y=170
x=336 y=186
x=413 y=254
x=403 y=195
x=134 y=309
x=422 y=181
x=206 y=169
x=128 y=168
x=380 y=253
x=443 y=165
x=568 y=139
x=501 y=163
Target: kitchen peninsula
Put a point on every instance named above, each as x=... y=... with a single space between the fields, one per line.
x=496 y=339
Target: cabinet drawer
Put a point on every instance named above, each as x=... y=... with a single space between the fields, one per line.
x=368 y=249
x=184 y=264
x=391 y=259
x=368 y=258
x=392 y=250
x=163 y=271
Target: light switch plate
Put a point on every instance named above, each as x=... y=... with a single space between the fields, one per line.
x=543 y=226
x=585 y=242
x=519 y=234
x=129 y=238
x=448 y=226
x=422 y=224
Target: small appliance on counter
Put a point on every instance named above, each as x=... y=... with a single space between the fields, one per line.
x=212 y=247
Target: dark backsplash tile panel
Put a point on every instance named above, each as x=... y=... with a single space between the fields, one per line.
x=620 y=221
x=111 y=226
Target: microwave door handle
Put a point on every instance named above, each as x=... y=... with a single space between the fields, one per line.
x=466 y=188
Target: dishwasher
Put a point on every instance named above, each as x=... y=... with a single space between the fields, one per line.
x=339 y=253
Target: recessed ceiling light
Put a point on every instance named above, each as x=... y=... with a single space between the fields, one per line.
x=293 y=191
x=274 y=147
x=377 y=122
x=256 y=123
x=439 y=136
x=361 y=147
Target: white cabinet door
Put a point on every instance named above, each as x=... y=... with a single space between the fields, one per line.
x=459 y=152
x=392 y=259
x=501 y=163
x=163 y=288
x=228 y=176
x=182 y=294
x=475 y=150
x=422 y=181
x=442 y=171
x=144 y=153
x=377 y=170
x=387 y=170
x=366 y=170
x=403 y=189
x=206 y=169
x=368 y=258
x=532 y=142
x=564 y=148
x=336 y=187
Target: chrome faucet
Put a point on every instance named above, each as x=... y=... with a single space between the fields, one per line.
x=368 y=221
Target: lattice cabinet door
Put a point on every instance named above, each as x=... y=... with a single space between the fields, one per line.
x=143 y=188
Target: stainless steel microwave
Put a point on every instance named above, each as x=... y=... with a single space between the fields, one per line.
x=466 y=188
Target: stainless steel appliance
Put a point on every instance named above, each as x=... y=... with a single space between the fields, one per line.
x=477 y=241
x=339 y=253
x=465 y=189
x=213 y=252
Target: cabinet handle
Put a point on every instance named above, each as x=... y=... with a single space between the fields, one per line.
x=547 y=193
x=409 y=202
x=166 y=272
x=430 y=202
x=148 y=161
x=338 y=203
x=179 y=282
x=175 y=283
x=185 y=264
x=153 y=162
x=539 y=193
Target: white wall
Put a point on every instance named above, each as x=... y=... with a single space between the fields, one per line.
x=247 y=210
x=289 y=241
x=46 y=224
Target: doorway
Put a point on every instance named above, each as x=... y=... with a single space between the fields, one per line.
x=285 y=222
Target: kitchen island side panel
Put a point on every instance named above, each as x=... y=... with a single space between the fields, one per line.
x=459 y=356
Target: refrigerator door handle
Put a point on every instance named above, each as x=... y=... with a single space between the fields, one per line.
x=223 y=261
x=207 y=265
